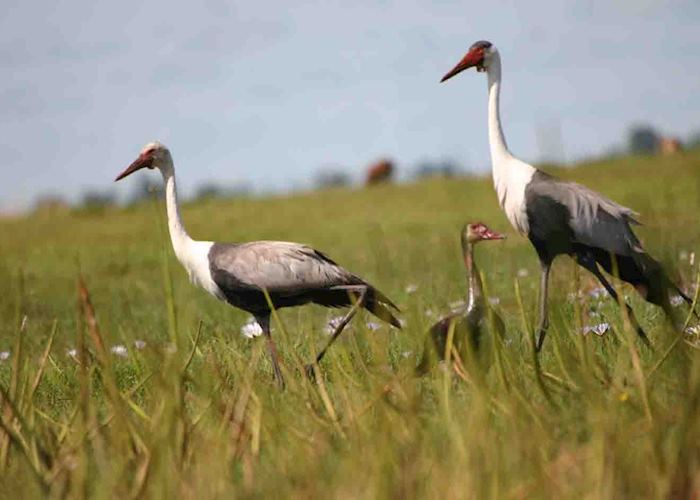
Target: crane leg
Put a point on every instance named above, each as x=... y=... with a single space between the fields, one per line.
x=544 y=317
x=336 y=333
x=589 y=263
x=264 y=322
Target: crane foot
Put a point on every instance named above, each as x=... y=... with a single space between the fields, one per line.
x=310 y=373
x=540 y=339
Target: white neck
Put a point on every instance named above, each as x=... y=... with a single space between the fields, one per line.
x=510 y=175
x=178 y=236
x=499 y=148
x=193 y=255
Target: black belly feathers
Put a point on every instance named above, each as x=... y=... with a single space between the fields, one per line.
x=304 y=275
x=568 y=218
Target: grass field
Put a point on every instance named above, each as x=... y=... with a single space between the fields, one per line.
x=192 y=411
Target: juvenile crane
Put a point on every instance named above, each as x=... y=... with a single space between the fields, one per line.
x=561 y=217
x=239 y=273
x=472 y=320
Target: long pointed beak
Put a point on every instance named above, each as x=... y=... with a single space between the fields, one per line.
x=471 y=59
x=493 y=235
x=138 y=164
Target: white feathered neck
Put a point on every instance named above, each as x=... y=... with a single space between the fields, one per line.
x=510 y=175
x=193 y=255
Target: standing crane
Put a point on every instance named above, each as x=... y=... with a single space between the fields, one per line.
x=561 y=217
x=241 y=274
x=472 y=320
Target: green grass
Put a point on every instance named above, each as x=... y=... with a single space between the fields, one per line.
x=196 y=414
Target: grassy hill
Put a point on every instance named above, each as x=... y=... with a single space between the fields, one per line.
x=195 y=412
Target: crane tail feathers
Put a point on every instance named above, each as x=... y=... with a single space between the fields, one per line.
x=380 y=305
x=645 y=274
x=382 y=312
x=375 y=301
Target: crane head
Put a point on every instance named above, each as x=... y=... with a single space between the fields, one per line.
x=478 y=231
x=478 y=56
x=152 y=156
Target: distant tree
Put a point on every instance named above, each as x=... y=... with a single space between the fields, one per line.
x=145 y=189
x=212 y=191
x=238 y=190
x=209 y=191
x=96 y=201
x=643 y=140
x=332 y=177
x=612 y=152
x=693 y=140
x=50 y=204
x=439 y=168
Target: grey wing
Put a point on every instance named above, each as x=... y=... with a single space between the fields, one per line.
x=278 y=266
x=594 y=219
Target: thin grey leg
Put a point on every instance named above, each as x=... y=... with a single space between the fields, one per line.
x=592 y=266
x=338 y=330
x=264 y=322
x=544 y=316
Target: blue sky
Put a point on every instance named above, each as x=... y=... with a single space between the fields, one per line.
x=268 y=93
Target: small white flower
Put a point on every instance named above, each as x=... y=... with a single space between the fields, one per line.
x=693 y=336
x=411 y=288
x=251 y=329
x=693 y=330
x=494 y=301
x=523 y=273
x=598 y=293
x=601 y=328
x=373 y=325
x=72 y=353
x=119 y=350
x=4 y=355
x=406 y=354
x=139 y=344
x=676 y=300
x=333 y=324
x=598 y=329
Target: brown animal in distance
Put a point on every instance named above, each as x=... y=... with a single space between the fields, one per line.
x=379 y=172
x=670 y=146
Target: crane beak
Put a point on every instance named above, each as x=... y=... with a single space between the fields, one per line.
x=142 y=161
x=473 y=58
x=493 y=235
